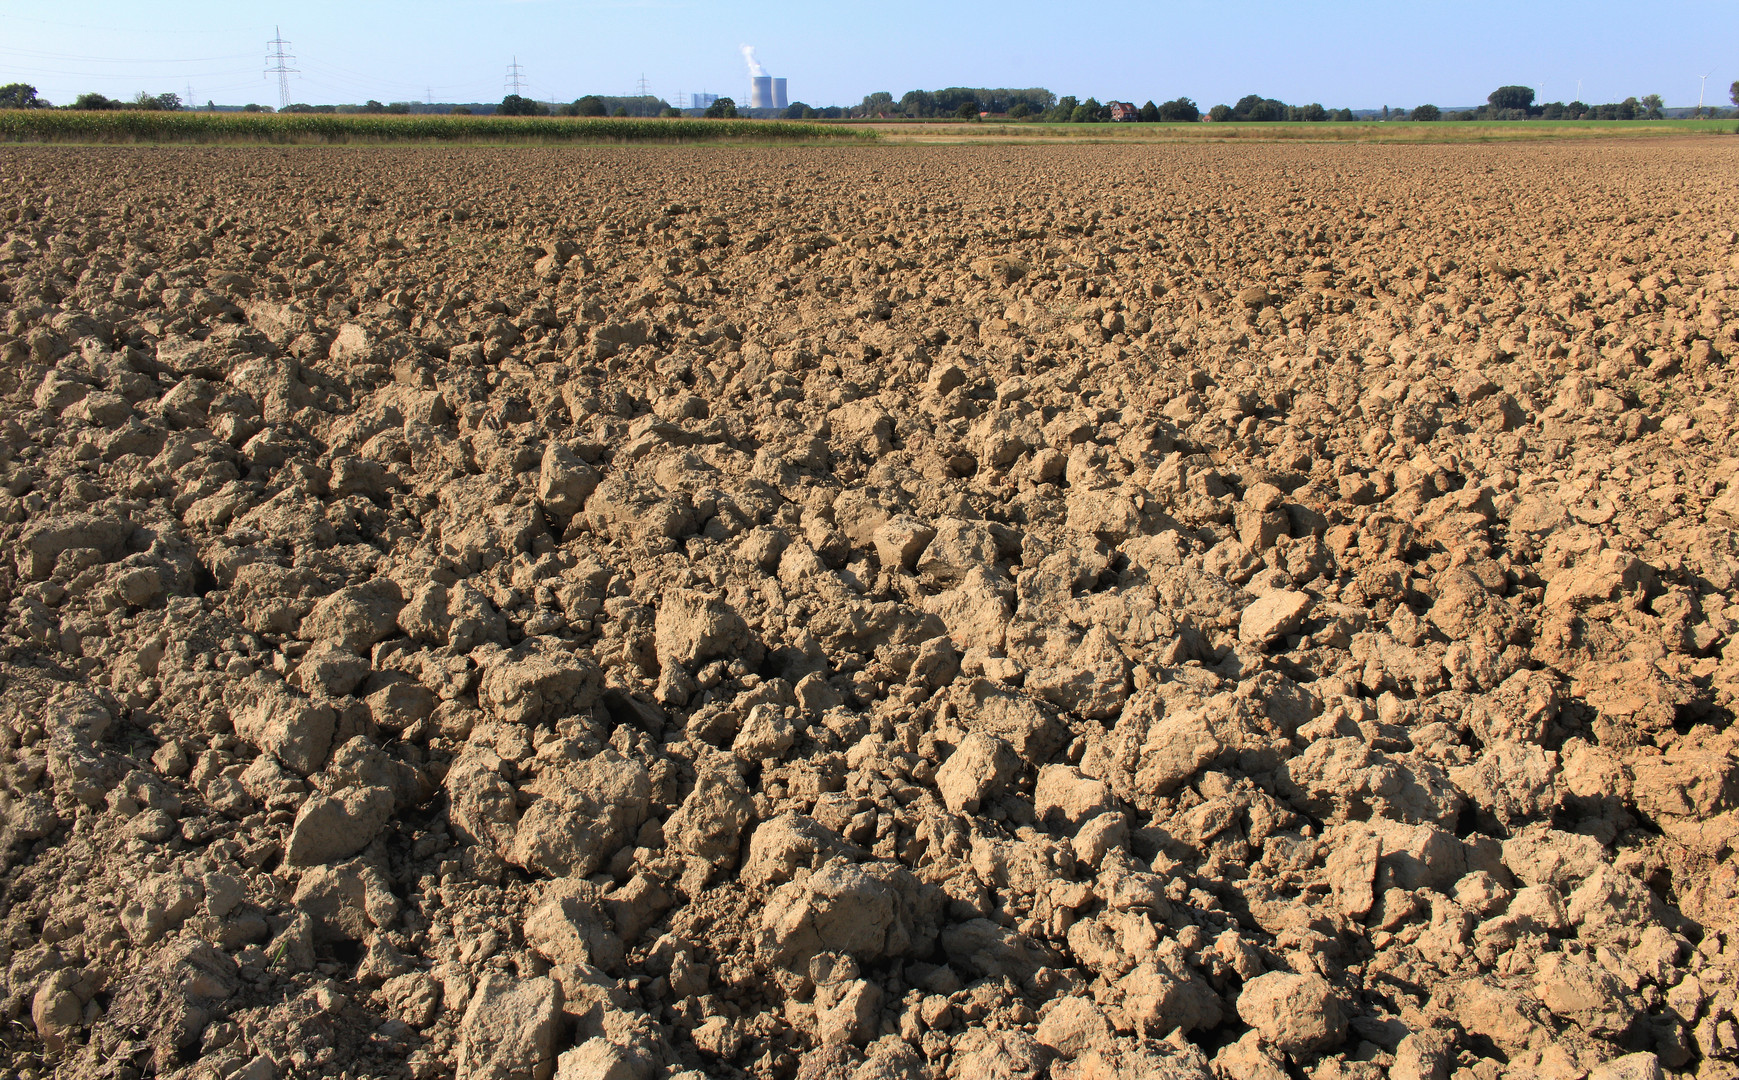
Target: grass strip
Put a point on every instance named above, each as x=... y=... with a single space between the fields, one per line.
x=48 y=126
x=1443 y=131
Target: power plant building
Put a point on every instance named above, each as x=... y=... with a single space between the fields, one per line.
x=766 y=92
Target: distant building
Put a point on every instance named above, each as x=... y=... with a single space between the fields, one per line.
x=1123 y=111
x=767 y=92
x=703 y=99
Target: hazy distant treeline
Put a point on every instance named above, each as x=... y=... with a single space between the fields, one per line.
x=961 y=102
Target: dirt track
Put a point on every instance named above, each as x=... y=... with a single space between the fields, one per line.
x=1086 y=612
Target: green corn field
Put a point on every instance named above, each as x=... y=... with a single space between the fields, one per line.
x=45 y=125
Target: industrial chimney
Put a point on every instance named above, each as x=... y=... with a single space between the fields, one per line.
x=779 y=101
x=761 y=92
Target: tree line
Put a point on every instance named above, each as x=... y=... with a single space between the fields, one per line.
x=1256 y=109
x=1034 y=103
x=1042 y=106
x=367 y=108
x=24 y=96
x=960 y=102
x=1517 y=103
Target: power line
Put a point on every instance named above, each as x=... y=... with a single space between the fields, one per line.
x=178 y=29
x=336 y=74
x=515 y=77
x=125 y=76
x=39 y=54
x=280 y=61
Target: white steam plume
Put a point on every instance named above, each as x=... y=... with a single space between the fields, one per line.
x=755 y=71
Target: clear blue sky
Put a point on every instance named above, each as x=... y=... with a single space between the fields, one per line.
x=1356 y=54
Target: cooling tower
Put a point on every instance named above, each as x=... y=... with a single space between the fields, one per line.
x=779 y=101
x=761 y=92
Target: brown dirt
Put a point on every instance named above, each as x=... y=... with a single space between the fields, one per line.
x=1079 y=612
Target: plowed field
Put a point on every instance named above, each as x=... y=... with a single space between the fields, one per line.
x=975 y=612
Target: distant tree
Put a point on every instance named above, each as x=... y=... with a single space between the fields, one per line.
x=1313 y=113
x=460 y=110
x=1511 y=97
x=1733 y=93
x=1064 y=109
x=1148 y=114
x=621 y=110
x=251 y=107
x=21 y=96
x=1553 y=110
x=794 y=111
x=968 y=110
x=671 y=113
x=1576 y=110
x=153 y=102
x=93 y=101
x=1628 y=109
x=1258 y=109
x=1652 y=106
x=1020 y=111
x=832 y=112
x=1089 y=112
x=590 y=105
x=1178 y=111
x=1427 y=113
x=1220 y=114
x=1344 y=115
x=880 y=103
x=399 y=108
x=947 y=101
x=917 y=103
x=722 y=109
x=514 y=105
x=1385 y=112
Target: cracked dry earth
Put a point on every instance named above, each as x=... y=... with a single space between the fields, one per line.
x=1076 y=612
